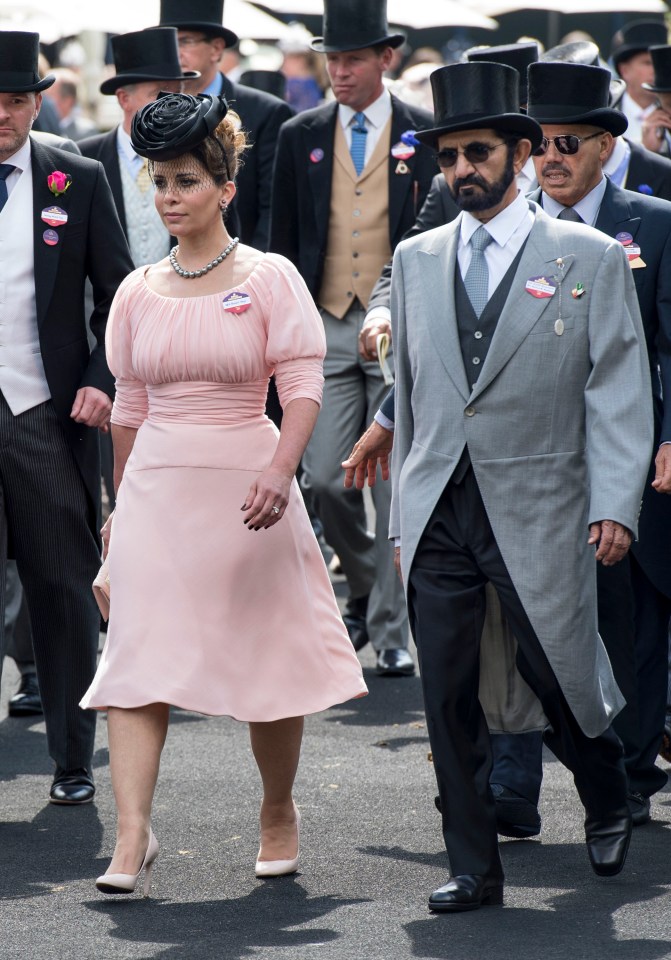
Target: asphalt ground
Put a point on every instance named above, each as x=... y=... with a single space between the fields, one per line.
x=371 y=854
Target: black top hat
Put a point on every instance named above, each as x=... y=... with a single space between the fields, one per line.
x=661 y=61
x=636 y=37
x=353 y=25
x=475 y=96
x=18 y=63
x=579 y=51
x=150 y=54
x=583 y=94
x=204 y=15
x=517 y=55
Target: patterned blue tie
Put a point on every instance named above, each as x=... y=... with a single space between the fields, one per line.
x=476 y=280
x=5 y=170
x=358 y=147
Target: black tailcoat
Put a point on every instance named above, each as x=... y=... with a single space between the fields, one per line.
x=302 y=185
x=648 y=169
x=91 y=244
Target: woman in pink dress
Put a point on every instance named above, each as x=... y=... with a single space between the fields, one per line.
x=220 y=600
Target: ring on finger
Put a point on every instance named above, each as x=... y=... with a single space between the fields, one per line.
x=276 y=510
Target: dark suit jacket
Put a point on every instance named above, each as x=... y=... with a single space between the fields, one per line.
x=648 y=169
x=262 y=116
x=439 y=208
x=103 y=147
x=302 y=188
x=91 y=244
x=648 y=220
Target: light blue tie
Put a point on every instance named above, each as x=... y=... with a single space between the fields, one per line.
x=476 y=280
x=5 y=170
x=358 y=147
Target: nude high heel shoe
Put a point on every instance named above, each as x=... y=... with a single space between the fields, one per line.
x=126 y=882
x=278 y=868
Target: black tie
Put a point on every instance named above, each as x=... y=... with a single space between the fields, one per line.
x=5 y=170
x=568 y=213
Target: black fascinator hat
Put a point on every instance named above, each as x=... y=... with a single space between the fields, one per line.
x=174 y=124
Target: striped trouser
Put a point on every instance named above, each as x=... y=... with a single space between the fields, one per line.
x=45 y=513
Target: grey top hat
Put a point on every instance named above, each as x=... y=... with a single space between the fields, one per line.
x=353 y=25
x=661 y=61
x=587 y=53
x=19 y=52
x=478 y=95
x=204 y=15
x=636 y=37
x=573 y=93
x=150 y=54
x=517 y=55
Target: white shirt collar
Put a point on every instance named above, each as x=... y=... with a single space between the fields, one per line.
x=502 y=226
x=588 y=207
x=20 y=159
x=632 y=109
x=376 y=114
x=125 y=147
x=621 y=153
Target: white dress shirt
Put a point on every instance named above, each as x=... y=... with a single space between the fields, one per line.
x=635 y=114
x=377 y=115
x=588 y=207
x=616 y=167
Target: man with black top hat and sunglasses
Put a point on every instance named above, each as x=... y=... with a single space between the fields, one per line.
x=146 y=62
x=349 y=180
x=58 y=226
x=657 y=125
x=495 y=486
x=202 y=40
x=634 y=596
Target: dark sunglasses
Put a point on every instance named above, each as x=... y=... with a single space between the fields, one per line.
x=474 y=152
x=568 y=144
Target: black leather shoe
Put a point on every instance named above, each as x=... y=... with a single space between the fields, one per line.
x=515 y=815
x=467 y=892
x=354 y=619
x=639 y=808
x=72 y=786
x=26 y=702
x=394 y=663
x=608 y=842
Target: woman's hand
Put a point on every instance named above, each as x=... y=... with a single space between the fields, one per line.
x=105 y=534
x=267 y=499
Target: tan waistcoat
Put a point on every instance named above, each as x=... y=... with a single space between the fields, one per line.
x=358 y=238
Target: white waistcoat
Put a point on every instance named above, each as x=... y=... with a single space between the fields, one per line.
x=148 y=239
x=22 y=379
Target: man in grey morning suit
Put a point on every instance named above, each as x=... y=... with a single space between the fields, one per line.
x=498 y=487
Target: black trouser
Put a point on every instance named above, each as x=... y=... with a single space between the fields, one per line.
x=45 y=510
x=456 y=556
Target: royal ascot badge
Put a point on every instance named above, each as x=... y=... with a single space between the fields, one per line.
x=624 y=238
x=58 y=182
x=402 y=151
x=578 y=291
x=54 y=216
x=237 y=302
x=317 y=155
x=50 y=237
x=402 y=167
x=540 y=287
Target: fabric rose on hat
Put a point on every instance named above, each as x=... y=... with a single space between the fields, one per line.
x=169 y=127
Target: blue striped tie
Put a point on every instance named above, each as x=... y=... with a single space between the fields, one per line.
x=476 y=280
x=5 y=170
x=358 y=147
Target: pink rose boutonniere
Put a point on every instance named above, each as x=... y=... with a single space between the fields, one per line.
x=58 y=182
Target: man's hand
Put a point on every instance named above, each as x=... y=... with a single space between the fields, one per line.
x=368 y=335
x=372 y=448
x=654 y=124
x=613 y=541
x=93 y=408
x=662 y=481
x=397 y=562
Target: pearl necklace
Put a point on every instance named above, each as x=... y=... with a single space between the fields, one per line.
x=192 y=274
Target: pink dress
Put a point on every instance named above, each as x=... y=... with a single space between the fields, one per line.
x=206 y=614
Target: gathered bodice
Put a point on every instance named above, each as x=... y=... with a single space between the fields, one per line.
x=195 y=360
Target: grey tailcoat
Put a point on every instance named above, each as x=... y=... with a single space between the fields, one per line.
x=558 y=428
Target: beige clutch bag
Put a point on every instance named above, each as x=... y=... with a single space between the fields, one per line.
x=101 y=589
